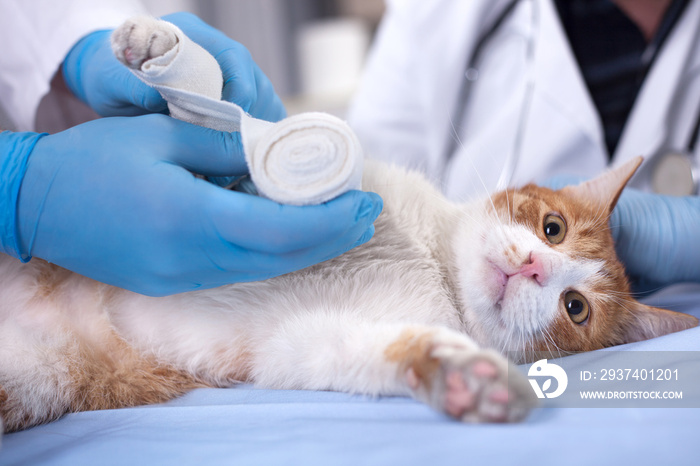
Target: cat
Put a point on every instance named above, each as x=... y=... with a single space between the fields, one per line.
x=430 y=307
x=427 y=308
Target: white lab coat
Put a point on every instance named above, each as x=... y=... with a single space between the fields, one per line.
x=36 y=35
x=403 y=111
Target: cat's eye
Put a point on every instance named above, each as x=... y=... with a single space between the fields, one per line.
x=577 y=306
x=554 y=228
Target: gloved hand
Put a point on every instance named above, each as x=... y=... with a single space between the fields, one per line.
x=244 y=83
x=657 y=237
x=94 y=75
x=89 y=201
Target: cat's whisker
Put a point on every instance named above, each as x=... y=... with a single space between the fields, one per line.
x=550 y=338
x=533 y=350
x=518 y=342
x=524 y=344
x=458 y=140
x=505 y=346
x=529 y=352
x=601 y=217
x=508 y=210
x=632 y=294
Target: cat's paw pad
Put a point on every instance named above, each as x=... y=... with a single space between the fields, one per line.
x=141 y=39
x=476 y=386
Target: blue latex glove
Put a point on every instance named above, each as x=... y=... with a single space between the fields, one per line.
x=244 y=83
x=92 y=72
x=658 y=237
x=94 y=75
x=113 y=199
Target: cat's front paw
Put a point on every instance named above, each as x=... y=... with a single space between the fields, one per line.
x=142 y=38
x=468 y=383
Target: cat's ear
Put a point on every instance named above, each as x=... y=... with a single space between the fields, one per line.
x=650 y=322
x=605 y=190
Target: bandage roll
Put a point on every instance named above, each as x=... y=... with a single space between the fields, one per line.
x=305 y=159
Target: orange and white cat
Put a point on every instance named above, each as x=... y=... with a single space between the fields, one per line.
x=426 y=308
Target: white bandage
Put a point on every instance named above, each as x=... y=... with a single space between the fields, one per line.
x=304 y=159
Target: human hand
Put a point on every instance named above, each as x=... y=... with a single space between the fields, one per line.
x=244 y=83
x=93 y=74
x=656 y=237
x=115 y=200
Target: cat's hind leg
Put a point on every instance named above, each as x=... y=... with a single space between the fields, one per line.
x=44 y=375
x=34 y=374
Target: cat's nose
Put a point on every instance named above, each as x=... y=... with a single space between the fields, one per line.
x=534 y=267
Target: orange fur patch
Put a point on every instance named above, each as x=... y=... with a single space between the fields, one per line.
x=4 y=408
x=412 y=351
x=116 y=376
x=49 y=279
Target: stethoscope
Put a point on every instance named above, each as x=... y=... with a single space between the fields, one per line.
x=675 y=172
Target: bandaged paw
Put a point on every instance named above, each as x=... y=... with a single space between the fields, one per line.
x=305 y=159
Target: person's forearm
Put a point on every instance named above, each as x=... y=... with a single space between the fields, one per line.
x=14 y=153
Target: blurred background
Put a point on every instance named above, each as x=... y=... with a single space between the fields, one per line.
x=312 y=50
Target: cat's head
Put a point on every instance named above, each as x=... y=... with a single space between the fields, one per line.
x=539 y=274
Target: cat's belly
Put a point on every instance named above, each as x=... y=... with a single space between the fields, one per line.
x=366 y=284
x=393 y=278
